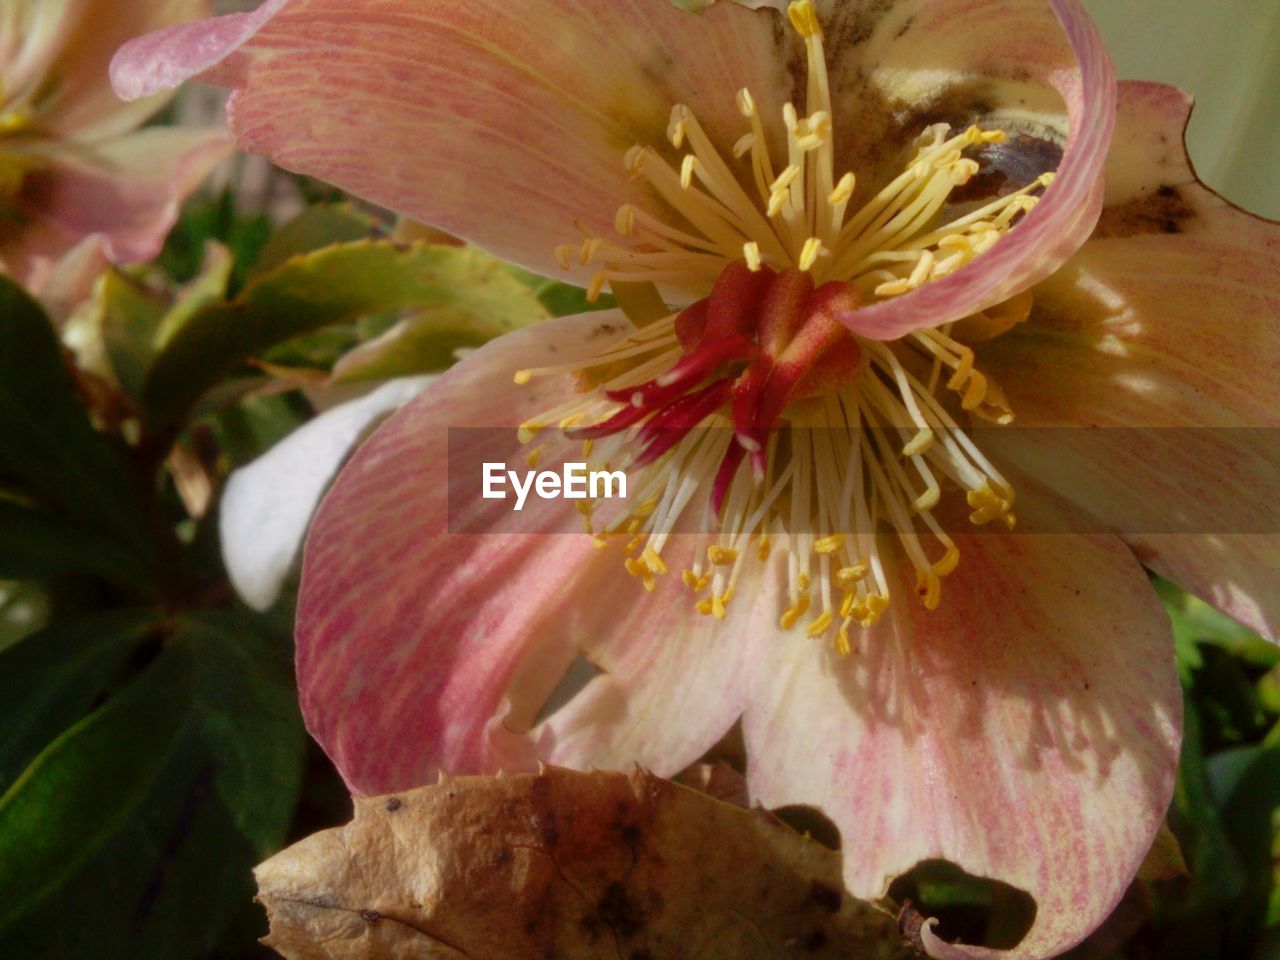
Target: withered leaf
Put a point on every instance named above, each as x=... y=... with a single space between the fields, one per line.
x=565 y=865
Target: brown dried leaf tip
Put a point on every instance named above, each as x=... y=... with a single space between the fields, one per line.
x=565 y=865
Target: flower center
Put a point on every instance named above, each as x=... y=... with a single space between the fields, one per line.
x=754 y=415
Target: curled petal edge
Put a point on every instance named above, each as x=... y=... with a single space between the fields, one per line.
x=1050 y=233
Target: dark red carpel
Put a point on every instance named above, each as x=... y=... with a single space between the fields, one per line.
x=790 y=343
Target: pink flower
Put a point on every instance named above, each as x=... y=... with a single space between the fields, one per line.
x=73 y=163
x=1005 y=702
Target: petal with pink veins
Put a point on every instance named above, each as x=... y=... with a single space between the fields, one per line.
x=128 y=190
x=501 y=123
x=1027 y=730
x=508 y=125
x=1167 y=325
x=424 y=646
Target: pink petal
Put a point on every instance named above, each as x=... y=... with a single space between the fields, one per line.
x=501 y=123
x=1027 y=730
x=1007 y=40
x=1168 y=318
x=672 y=681
x=422 y=649
x=128 y=190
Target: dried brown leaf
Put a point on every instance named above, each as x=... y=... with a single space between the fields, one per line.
x=565 y=865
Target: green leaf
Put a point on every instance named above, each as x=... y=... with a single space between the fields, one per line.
x=208 y=286
x=335 y=285
x=246 y=711
x=1195 y=621
x=37 y=544
x=83 y=786
x=168 y=878
x=313 y=229
x=48 y=448
x=50 y=679
x=206 y=218
x=1217 y=874
x=131 y=316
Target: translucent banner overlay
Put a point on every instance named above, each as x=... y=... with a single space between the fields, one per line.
x=1151 y=480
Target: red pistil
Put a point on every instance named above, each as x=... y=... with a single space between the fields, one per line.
x=795 y=346
x=672 y=424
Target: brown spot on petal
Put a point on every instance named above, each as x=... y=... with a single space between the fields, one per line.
x=1163 y=211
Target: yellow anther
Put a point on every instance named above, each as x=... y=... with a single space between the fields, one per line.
x=654 y=560
x=528 y=430
x=809 y=254
x=962 y=171
x=828 y=545
x=691 y=580
x=976 y=392
x=784 y=179
x=744 y=145
x=532 y=458
x=929 y=499
x=718 y=607
x=676 y=128
x=687 y=166
x=624 y=222
x=843 y=647
x=587 y=447
x=569 y=422
x=869 y=612
x=931 y=592
x=596 y=287
x=893 y=288
x=918 y=444
x=843 y=191
x=794 y=613
x=564 y=255
x=1045 y=179
x=820 y=625
x=645 y=509
x=746 y=103
x=963 y=369
x=649 y=582
x=522 y=377
x=777 y=200
x=633 y=162
x=751 y=252
x=847 y=604
x=805 y=19
x=802 y=582
x=703 y=606
x=950 y=560
x=922 y=269
x=763 y=548
x=721 y=556
x=988 y=504
x=993 y=136
x=848 y=576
